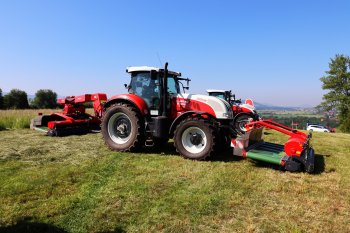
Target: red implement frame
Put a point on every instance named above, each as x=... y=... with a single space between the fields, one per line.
x=298 y=152
x=296 y=142
x=73 y=119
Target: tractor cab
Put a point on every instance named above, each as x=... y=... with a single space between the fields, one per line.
x=150 y=84
x=225 y=95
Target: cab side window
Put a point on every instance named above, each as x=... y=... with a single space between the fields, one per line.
x=173 y=87
x=145 y=87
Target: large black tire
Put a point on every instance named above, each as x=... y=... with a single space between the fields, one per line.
x=310 y=160
x=122 y=128
x=240 y=121
x=195 y=138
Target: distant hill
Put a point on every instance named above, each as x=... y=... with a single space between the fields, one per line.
x=260 y=106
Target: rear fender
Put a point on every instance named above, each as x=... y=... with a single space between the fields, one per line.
x=246 y=108
x=184 y=116
x=131 y=99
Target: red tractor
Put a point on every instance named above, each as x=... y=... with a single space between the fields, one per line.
x=154 y=110
x=243 y=113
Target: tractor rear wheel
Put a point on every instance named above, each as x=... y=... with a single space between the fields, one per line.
x=122 y=128
x=195 y=138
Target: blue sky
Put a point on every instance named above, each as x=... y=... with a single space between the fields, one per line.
x=272 y=51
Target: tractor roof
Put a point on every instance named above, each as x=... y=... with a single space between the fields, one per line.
x=214 y=90
x=132 y=69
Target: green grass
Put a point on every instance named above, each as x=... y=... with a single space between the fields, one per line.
x=75 y=184
x=18 y=119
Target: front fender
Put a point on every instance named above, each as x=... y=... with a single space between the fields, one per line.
x=251 y=114
x=132 y=99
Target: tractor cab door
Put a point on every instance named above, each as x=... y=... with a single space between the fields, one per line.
x=173 y=90
x=146 y=85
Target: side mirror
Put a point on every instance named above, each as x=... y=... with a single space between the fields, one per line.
x=126 y=86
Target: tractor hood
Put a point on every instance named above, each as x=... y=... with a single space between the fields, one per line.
x=212 y=105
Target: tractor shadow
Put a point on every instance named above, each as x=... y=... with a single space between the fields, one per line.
x=28 y=226
x=227 y=156
x=116 y=230
x=224 y=156
x=167 y=149
x=267 y=133
x=320 y=164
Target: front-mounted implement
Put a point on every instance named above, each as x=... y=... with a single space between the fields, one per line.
x=73 y=119
x=295 y=155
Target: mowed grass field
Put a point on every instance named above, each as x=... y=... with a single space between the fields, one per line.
x=75 y=184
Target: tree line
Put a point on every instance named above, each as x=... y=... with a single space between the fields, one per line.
x=18 y=99
x=337 y=82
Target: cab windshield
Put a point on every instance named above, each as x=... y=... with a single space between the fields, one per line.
x=219 y=95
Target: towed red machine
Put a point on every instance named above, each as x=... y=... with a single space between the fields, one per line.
x=295 y=155
x=73 y=119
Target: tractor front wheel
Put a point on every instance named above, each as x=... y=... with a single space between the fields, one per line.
x=240 y=121
x=195 y=138
x=122 y=128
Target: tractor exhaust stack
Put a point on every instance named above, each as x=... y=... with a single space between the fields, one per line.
x=165 y=90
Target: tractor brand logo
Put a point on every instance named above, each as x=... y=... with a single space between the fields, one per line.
x=183 y=102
